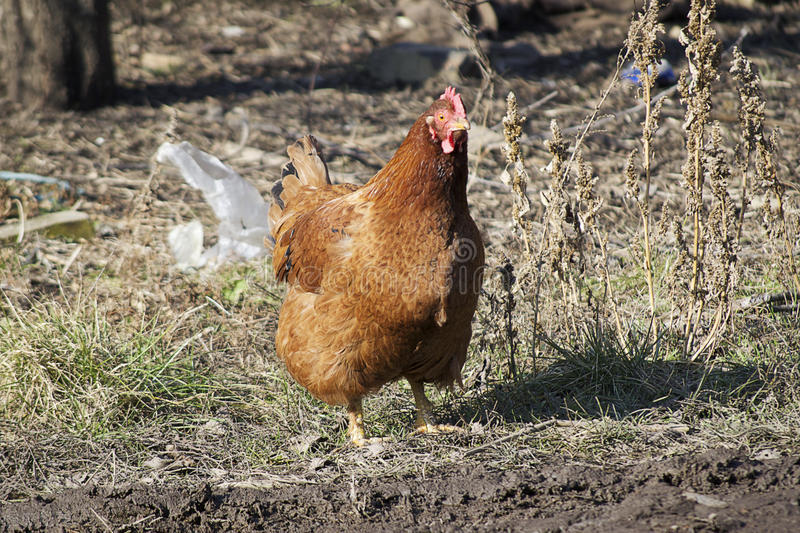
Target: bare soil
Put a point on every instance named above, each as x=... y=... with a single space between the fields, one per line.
x=719 y=490
x=268 y=72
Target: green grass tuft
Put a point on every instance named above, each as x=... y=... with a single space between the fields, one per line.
x=73 y=369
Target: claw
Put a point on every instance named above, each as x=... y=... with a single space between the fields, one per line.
x=360 y=443
x=424 y=423
x=436 y=429
x=356 y=428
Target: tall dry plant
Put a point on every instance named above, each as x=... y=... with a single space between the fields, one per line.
x=589 y=205
x=558 y=245
x=720 y=244
x=704 y=275
x=751 y=121
x=647 y=50
x=569 y=216
x=756 y=144
x=695 y=87
x=517 y=177
x=488 y=75
x=561 y=241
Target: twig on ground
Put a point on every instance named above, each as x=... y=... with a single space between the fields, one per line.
x=537 y=427
x=216 y=304
x=269 y=481
x=71 y=259
x=625 y=112
x=40 y=222
x=102 y=520
x=21 y=212
x=525 y=110
x=775 y=301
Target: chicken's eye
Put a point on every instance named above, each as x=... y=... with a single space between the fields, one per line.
x=441 y=116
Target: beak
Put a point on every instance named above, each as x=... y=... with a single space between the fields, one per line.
x=459 y=124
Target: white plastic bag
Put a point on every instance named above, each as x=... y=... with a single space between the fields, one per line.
x=236 y=203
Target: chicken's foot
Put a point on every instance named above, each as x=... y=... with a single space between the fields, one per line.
x=355 y=430
x=425 y=421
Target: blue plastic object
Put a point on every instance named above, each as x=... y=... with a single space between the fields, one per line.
x=666 y=76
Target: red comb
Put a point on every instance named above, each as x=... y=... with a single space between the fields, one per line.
x=454 y=98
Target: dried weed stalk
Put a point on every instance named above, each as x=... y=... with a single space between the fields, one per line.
x=564 y=239
x=751 y=120
x=721 y=245
x=499 y=333
x=695 y=87
x=589 y=206
x=774 y=213
x=518 y=180
x=570 y=217
x=647 y=50
x=755 y=140
x=704 y=275
x=507 y=272
x=518 y=177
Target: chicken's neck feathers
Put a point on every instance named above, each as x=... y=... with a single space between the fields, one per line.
x=421 y=177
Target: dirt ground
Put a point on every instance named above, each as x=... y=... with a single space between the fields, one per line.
x=268 y=72
x=719 y=490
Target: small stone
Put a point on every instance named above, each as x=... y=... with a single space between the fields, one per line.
x=702 y=499
x=162 y=63
x=415 y=62
x=232 y=32
x=156 y=463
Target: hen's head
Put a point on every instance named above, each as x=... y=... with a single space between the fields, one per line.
x=447 y=120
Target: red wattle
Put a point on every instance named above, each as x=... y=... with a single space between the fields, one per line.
x=448 y=145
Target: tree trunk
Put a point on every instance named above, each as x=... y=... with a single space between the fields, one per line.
x=57 y=53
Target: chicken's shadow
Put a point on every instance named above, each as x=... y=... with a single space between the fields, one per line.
x=567 y=389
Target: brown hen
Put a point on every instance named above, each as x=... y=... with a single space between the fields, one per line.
x=384 y=278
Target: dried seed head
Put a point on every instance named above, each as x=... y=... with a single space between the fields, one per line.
x=751 y=104
x=518 y=177
x=643 y=42
x=589 y=205
x=665 y=221
x=632 y=177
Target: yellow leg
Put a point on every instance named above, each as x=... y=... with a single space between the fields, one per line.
x=425 y=423
x=355 y=429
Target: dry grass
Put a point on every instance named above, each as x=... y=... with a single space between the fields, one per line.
x=117 y=367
